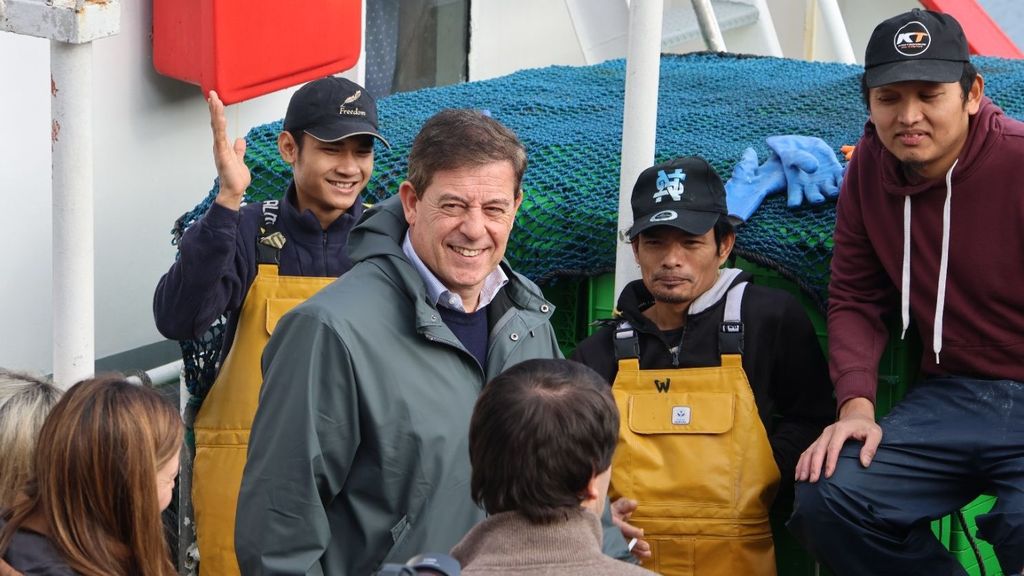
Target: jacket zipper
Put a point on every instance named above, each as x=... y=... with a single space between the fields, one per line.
x=323 y=252
x=675 y=353
x=458 y=346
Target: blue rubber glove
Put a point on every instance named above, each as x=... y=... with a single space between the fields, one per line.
x=812 y=171
x=750 y=183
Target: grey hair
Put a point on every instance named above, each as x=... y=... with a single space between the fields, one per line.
x=25 y=401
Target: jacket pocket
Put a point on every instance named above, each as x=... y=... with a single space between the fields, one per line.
x=398 y=532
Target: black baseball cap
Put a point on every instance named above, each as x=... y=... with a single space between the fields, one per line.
x=918 y=45
x=332 y=109
x=685 y=193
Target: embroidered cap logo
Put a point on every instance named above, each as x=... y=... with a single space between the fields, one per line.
x=670 y=185
x=664 y=216
x=912 y=39
x=353 y=111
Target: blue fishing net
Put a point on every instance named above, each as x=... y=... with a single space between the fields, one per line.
x=570 y=119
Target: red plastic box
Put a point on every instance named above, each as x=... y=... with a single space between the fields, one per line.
x=247 y=48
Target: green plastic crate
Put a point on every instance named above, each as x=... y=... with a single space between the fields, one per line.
x=898 y=366
x=600 y=300
x=960 y=536
x=897 y=369
x=564 y=293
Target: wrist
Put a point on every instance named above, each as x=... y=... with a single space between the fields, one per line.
x=229 y=200
x=857 y=407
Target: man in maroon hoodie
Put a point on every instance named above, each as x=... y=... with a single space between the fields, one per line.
x=928 y=225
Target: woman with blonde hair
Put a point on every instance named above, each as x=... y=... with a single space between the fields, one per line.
x=25 y=400
x=105 y=466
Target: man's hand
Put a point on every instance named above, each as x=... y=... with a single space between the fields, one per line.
x=230 y=159
x=6 y=570
x=857 y=421
x=622 y=509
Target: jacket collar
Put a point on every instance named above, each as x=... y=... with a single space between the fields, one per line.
x=303 y=227
x=636 y=298
x=377 y=239
x=508 y=540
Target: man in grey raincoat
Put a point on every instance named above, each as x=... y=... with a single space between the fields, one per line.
x=359 y=450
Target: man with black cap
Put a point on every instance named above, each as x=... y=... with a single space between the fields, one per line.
x=720 y=383
x=252 y=264
x=929 y=223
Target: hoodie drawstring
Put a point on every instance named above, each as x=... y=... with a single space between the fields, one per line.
x=940 y=296
x=905 y=284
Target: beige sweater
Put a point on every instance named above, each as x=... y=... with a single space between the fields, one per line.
x=507 y=543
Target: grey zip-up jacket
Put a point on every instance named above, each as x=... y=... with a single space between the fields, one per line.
x=359 y=451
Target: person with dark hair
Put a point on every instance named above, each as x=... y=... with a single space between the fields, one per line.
x=254 y=262
x=358 y=454
x=541 y=440
x=928 y=224
x=721 y=384
x=104 y=469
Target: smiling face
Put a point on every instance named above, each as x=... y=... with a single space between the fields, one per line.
x=924 y=124
x=329 y=176
x=459 y=225
x=677 y=268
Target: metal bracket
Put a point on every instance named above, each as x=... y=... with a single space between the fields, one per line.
x=69 y=21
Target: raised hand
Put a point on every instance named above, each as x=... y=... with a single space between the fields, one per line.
x=230 y=158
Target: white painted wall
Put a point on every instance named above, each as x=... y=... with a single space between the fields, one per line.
x=509 y=36
x=152 y=163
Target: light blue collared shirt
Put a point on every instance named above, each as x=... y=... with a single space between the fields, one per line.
x=441 y=295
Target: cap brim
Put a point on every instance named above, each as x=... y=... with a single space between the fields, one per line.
x=914 y=71
x=335 y=132
x=689 y=221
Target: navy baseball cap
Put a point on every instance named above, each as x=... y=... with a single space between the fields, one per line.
x=920 y=45
x=332 y=109
x=685 y=193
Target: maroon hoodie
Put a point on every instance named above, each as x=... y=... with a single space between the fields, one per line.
x=981 y=333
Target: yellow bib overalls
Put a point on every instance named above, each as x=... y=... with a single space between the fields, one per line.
x=225 y=418
x=695 y=455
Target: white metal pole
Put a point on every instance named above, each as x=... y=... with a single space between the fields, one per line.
x=835 y=28
x=360 y=67
x=810 y=28
x=709 y=28
x=73 y=255
x=766 y=29
x=639 y=120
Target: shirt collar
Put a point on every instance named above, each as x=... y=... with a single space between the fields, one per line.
x=442 y=296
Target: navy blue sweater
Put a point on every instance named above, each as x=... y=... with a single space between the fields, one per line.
x=217 y=264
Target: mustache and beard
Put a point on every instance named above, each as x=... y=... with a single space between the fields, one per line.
x=668 y=295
